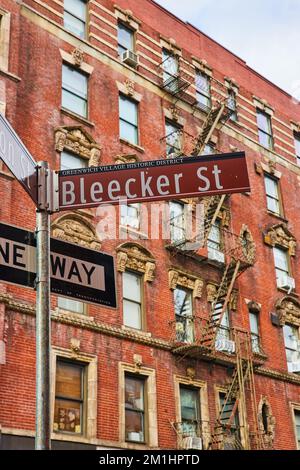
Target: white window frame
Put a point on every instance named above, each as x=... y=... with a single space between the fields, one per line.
x=84 y=22
x=279 y=270
x=271 y=197
x=204 y=93
x=133 y=301
x=133 y=125
x=297 y=146
x=177 y=222
x=83 y=96
x=261 y=131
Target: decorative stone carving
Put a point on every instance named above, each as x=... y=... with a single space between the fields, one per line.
x=225 y=217
x=75 y=345
x=76 y=229
x=248 y=245
x=77 y=56
x=129 y=158
x=130 y=87
x=233 y=301
x=175 y=113
x=79 y=142
x=191 y=373
x=266 y=423
x=186 y=280
x=138 y=360
x=279 y=235
x=135 y=257
x=254 y=306
x=288 y=310
x=211 y=292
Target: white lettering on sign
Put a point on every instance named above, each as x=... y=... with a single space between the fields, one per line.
x=76 y=271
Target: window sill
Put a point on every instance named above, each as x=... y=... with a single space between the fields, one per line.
x=77 y=116
x=277 y=216
x=10 y=75
x=136 y=234
x=82 y=316
x=58 y=436
x=138 y=332
x=134 y=146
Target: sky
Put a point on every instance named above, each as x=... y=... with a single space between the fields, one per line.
x=264 y=33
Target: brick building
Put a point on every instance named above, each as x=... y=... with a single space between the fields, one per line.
x=203 y=350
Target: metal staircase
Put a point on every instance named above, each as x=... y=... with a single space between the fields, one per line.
x=240 y=392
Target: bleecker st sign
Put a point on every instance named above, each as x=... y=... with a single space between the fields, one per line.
x=87 y=275
x=153 y=180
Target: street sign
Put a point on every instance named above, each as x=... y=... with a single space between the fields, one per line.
x=17 y=158
x=80 y=273
x=153 y=180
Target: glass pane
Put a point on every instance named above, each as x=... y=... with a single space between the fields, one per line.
x=297 y=146
x=128 y=110
x=265 y=139
x=189 y=401
x=74 y=103
x=132 y=286
x=128 y=132
x=208 y=150
x=203 y=84
x=280 y=259
x=68 y=161
x=253 y=323
x=203 y=100
x=125 y=37
x=170 y=63
x=130 y=215
x=68 y=380
x=67 y=416
x=263 y=122
x=134 y=393
x=76 y=7
x=214 y=237
x=132 y=314
x=273 y=205
x=70 y=305
x=134 y=426
x=74 y=25
x=255 y=343
x=271 y=187
x=290 y=337
x=74 y=81
x=183 y=303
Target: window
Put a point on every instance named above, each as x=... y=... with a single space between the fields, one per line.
x=226 y=408
x=69 y=161
x=223 y=332
x=177 y=226
x=209 y=149
x=130 y=215
x=203 y=90
x=214 y=236
x=292 y=347
x=273 y=198
x=125 y=39
x=254 y=332
x=128 y=110
x=264 y=129
x=173 y=139
x=75 y=14
x=297 y=424
x=281 y=264
x=170 y=68
x=190 y=411
x=71 y=305
x=69 y=397
x=132 y=300
x=183 y=315
x=231 y=104
x=297 y=146
x=74 y=90
x=134 y=409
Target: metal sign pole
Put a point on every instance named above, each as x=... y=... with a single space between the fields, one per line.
x=43 y=326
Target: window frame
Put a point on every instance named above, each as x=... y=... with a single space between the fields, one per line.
x=297 y=146
x=232 y=97
x=177 y=129
x=82 y=401
x=140 y=378
x=174 y=227
x=138 y=218
x=142 y=301
x=188 y=335
x=85 y=35
x=288 y=272
x=269 y=134
x=86 y=100
x=255 y=338
x=286 y=347
x=296 y=409
x=197 y=421
x=220 y=243
x=132 y=31
x=135 y=126
x=79 y=157
x=270 y=197
x=207 y=95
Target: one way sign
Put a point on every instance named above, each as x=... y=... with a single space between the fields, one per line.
x=88 y=276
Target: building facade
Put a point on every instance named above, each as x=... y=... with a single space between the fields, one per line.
x=203 y=350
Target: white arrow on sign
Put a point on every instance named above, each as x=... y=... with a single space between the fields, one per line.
x=17 y=158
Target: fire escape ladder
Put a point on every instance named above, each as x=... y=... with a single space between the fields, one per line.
x=211 y=215
x=240 y=392
x=209 y=125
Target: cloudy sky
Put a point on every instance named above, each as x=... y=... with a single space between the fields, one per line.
x=265 y=33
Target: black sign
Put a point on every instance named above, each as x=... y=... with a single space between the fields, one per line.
x=88 y=276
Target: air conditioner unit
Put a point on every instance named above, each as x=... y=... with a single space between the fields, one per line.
x=192 y=443
x=286 y=282
x=130 y=58
x=215 y=255
x=226 y=345
x=294 y=366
